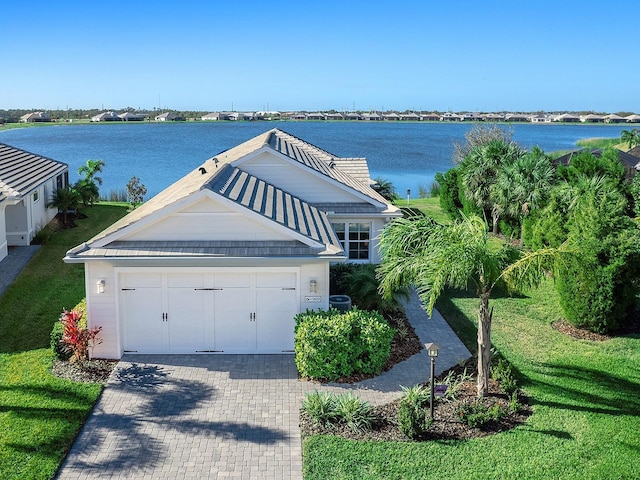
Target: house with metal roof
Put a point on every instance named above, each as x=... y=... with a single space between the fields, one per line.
x=27 y=182
x=223 y=259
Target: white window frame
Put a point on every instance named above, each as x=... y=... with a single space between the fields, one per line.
x=346 y=241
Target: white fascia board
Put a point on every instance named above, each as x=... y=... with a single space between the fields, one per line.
x=182 y=262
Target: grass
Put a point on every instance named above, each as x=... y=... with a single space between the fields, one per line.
x=41 y=414
x=602 y=143
x=429 y=206
x=586 y=407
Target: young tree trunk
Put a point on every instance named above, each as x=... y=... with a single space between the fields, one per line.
x=485 y=316
x=495 y=218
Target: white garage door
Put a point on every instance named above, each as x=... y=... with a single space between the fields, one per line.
x=223 y=312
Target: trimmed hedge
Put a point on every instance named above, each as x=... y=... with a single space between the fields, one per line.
x=330 y=344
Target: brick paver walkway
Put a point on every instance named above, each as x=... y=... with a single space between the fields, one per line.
x=219 y=416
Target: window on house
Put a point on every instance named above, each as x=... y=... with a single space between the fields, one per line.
x=354 y=238
x=36 y=196
x=59 y=181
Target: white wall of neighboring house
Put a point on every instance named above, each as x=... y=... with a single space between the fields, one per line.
x=26 y=218
x=3 y=232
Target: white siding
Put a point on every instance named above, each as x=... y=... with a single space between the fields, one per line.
x=3 y=233
x=102 y=308
x=207 y=220
x=296 y=180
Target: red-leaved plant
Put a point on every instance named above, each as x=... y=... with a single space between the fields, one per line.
x=77 y=339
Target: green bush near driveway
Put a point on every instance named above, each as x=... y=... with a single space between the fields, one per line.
x=330 y=344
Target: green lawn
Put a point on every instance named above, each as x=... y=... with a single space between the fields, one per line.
x=429 y=206
x=40 y=414
x=585 y=396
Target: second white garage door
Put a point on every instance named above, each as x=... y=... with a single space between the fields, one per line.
x=222 y=312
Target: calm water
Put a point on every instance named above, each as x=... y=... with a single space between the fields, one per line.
x=407 y=154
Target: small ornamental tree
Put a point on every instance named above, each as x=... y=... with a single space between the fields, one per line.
x=76 y=338
x=136 y=191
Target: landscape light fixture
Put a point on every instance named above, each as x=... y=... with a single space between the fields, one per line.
x=100 y=285
x=432 y=350
x=313 y=286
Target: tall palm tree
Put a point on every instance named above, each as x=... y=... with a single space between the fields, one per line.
x=431 y=256
x=480 y=170
x=524 y=185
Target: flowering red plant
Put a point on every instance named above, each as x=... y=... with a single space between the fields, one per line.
x=76 y=338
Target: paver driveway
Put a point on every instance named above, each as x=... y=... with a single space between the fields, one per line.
x=217 y=416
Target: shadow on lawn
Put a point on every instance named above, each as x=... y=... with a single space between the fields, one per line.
x=133 y=426
x=585 y=389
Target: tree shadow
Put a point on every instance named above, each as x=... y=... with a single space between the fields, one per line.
x=131 y=427
x=585 y=389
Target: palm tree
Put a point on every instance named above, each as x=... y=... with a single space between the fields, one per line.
x=65 y=199
x=385 y=188
x=524 y=185
x=431 y=256
x=90 y=169
x=630 y=137
x=480 y=169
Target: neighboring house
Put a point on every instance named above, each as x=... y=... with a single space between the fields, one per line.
x=106 y=117
x=371 y=117
x=540 y=118
x=516 y=117
x=223 y=259
x=566 y=117
x=27 y=182
x=390 y=117
x=592 y=118
x=168 y=117
x=35 y=117
x=613 y=118
x=633 y=118
x=430 y=117
x=213 y=116
x=630 y=162
x=131 y=117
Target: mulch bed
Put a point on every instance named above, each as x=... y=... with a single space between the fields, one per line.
x=447 y=424
x=579 y=333
x=89 y=371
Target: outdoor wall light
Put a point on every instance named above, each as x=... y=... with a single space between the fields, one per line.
x=313 y=286
x=100 y=285
x=432 y=350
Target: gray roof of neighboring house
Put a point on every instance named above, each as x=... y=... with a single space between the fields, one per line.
x=22 y=171
x=625 y=158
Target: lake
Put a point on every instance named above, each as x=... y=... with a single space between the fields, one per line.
x=407 y=154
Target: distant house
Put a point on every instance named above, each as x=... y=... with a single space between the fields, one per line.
x=430 y=117
x=27 y=182
x=566 y=117
x=390 y=117
x=516 y=117
x=633 y=118
x=35 y=117
x=315 y=116
x=231 y=116
x=592 y=118
x=106 y=117
x=410 y=117
x=451 y=117
x=334 y=116
x=630 y=162
x=352 y=116
x=213 y=116
x=371 y=117
x=131 y=117
x=539 y=118
x=613 y=118
x=493 y=117
x=169 y=117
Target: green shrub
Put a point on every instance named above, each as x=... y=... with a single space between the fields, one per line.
x=503 y=374
x=356 y=414
x=59 y=349
x=454 y=384
x=321 y=407
x=477 y=414
x=330 y=345
x=413 y=412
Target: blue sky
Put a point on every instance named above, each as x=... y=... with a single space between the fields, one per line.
x=283 y=55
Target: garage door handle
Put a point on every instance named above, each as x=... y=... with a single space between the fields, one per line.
x=291 y=288
x=207 y=289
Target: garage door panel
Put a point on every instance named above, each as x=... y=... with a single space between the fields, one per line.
x=232 y=280
x=144 y=331
x=275 y=309
x=276 y=279
x=188 y=320
x=186 y=280
x=234 y=328
x=141 y=280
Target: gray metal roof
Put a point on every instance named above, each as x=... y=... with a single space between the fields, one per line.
x=273 y=203
x=22 y=171
x=148 y=249
x=350 y=208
